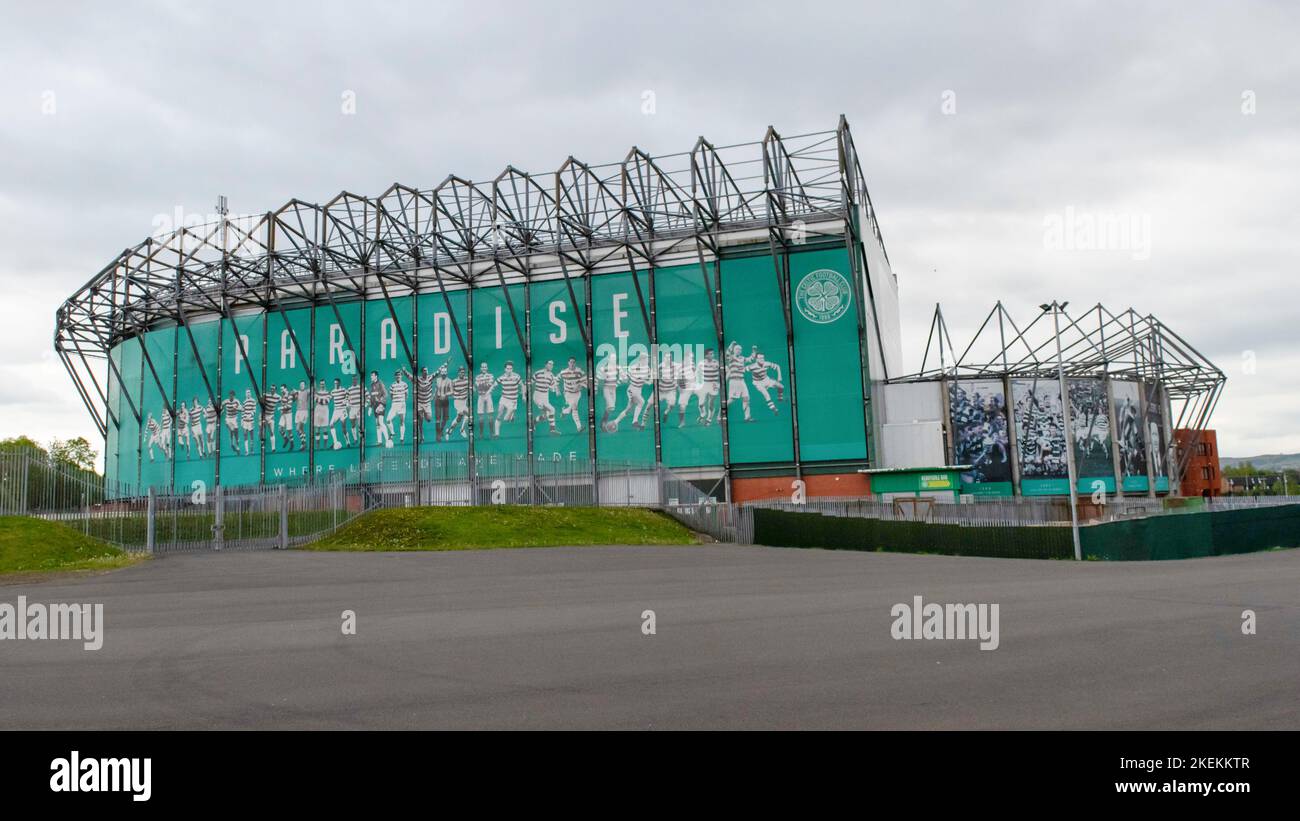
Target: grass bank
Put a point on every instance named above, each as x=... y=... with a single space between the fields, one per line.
x=30 y=545
x=475 y=528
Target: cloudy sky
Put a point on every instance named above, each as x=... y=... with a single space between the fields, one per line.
x=981 y=127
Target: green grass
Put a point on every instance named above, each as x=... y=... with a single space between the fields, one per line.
x=30 y=545
x=475 y=528
x=196 y=526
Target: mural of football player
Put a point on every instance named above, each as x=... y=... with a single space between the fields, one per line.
x=736 y=386
x=484 y=386
x=545 y=383
x=574 y=381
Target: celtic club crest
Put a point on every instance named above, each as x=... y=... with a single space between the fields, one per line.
x=823 y=296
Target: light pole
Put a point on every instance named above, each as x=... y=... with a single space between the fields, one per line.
x=1056 y=309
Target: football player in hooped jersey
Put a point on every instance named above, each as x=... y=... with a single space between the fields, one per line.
x=285 y=403
x=423 y=399
x=196 y=424
x=511 y=385
x=666 y=384
x=638 y=375
x=760 y=371
x=153 y=435
x=574 y=382
x=270 y=404
x=736 y=387
x=183 y=428
x=608 y=377
x=484 y=384
x=354 y=400
x=339 y=415
x=544 y=384
x=687 y=386
x=248 y=420
x=232 y=408
x=167 y=432
x=442 y=390
x=210 y=423
x=377 y=400
x=460 y=401
x=710 y=387
x=301 y=400
x=320 y=419
x=397 y=403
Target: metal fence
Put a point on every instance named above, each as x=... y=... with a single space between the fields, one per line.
x=1245 y=502
x=275 y=517
x=735 y=522
x=283 y=516
x=984 y=513
x=31 y=481
x=219 y=519
x=505 y=480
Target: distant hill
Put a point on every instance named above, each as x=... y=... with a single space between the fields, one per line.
x=1269 y=461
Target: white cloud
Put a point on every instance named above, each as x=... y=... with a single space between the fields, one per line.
x=1130 y=109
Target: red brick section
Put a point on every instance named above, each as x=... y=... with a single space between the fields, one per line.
x=1203 y=476
x=778 y=487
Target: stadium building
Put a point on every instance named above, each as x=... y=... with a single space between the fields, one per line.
x=724 y=312
x=1093 y=394
x=728 y=313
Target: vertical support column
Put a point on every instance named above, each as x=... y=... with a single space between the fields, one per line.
x=266 y=332
x=283 y=499
x=151 y=512
x=722 y=374
x=1146 y=437
x=470 y=398
x=417 y=438
x=949 y=435
x=591 y=387
x=311 y=393
x=219 y=525
x=221 y=342
x=1013 y=437
x=23 y=492
x=1071 y=470
x=783 y=274
x=1114 y=442
x=262 y=438
x=1172 y=470
x=872 y=427
x=176 y=371
x=530 y=428
x=655 y=359
x=140 y=428
x=363 y=376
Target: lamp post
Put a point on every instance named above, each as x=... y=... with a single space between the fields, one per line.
x=1056 y=309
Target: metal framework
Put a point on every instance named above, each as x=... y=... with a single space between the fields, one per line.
x=1096 y=342
x=463 y=234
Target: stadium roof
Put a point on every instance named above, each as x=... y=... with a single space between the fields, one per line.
x=460 y=232
x=1094 y=342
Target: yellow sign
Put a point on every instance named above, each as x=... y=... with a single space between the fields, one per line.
x=936 y=481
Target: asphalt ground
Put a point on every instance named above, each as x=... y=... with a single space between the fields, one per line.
x=745 y=637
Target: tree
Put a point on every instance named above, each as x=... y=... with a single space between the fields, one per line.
x=1251 y=481
x=20 y=443
x=60 y=478
x=76 y=452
